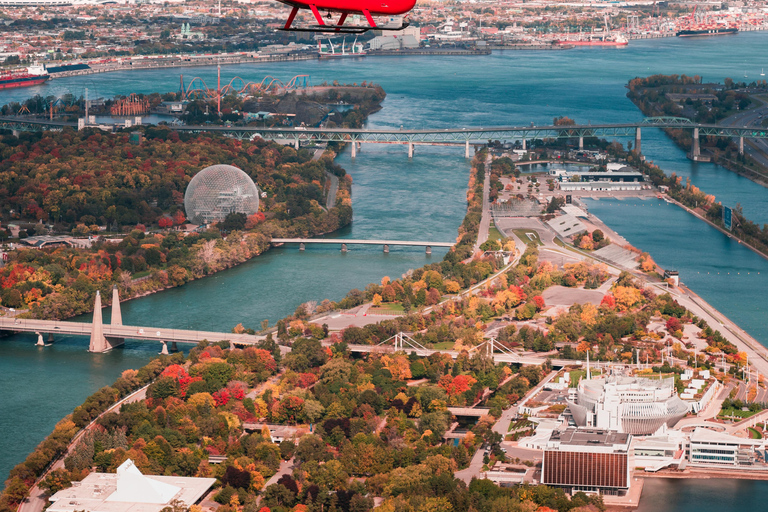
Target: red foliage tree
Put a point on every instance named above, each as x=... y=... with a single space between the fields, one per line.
x=221 y=397
x=179 y=218
x=538 y=300
x=306 y=380
x=608 y=301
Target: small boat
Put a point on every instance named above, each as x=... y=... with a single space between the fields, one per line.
x=762 y=71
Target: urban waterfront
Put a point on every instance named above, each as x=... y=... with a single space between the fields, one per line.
x=423 y=198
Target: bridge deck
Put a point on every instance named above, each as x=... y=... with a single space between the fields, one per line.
x=358 y=242
x=125 y=331
x=189 y=336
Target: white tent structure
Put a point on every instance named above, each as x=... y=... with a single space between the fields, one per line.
x=135 y=487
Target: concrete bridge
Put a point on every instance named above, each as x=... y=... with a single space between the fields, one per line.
x=345 y=242
x=105 y=337
x=451 y=136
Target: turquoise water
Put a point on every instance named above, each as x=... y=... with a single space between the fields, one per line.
x=418 y=199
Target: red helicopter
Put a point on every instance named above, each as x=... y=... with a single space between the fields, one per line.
x=367 y=8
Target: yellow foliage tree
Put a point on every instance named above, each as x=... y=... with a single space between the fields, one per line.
x=452 y=287
x=385 y=281
x=376 y=299
x=398 y=365
x=626 y=296
x=589 y=314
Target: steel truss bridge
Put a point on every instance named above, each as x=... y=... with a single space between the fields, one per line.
x=452 y=136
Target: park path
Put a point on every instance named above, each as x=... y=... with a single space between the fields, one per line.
x=37 y=499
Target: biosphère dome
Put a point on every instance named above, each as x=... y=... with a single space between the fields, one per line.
x=217 y=191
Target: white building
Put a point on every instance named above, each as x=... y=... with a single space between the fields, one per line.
x=129 y=491
x=710 y=448
x=628 y=404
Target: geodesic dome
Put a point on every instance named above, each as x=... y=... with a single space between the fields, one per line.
x=217 y=191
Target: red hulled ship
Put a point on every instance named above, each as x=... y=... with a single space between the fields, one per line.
x=33 y=75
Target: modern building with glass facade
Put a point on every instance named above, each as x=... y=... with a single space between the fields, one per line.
x=589 y=460
x=638 y=406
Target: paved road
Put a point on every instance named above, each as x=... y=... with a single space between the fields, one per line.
x=124 y=331
x=330 y=202
x=485 y=221
x=502 y=427
x=755 y=148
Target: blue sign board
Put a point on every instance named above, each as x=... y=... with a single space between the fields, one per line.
x=727 y=218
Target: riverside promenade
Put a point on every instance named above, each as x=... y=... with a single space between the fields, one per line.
x=37 y=497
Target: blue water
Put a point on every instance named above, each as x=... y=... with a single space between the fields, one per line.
x=423 y=198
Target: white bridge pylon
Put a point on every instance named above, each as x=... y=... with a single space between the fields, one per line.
x=401 y=340
x=491 y=346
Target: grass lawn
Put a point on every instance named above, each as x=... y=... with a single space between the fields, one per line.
x=443 y=345
x=527 y=236
x=139 y=275
x=754 y=434
x=388 y=306
x=494 y=233
x=738 y=413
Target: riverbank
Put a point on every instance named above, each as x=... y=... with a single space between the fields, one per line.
x=723 y=231
x=161 y=62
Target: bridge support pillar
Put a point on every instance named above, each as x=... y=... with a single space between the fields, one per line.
x=117 y=315
x=40 y=342
x=466 y=149
x=354 y=150
x=638 y=140
x=695 y=150
x=343 y=247
x=164 y=350
x=386 y=249
x=296 y=144
x=174 y=347
x=524 y=145
x=302 y=246
x=429 y=250
x=410 y=150
x=15 y=133
x=741 y=145
x=50 y=338
x=581 y=142
x=98 y=342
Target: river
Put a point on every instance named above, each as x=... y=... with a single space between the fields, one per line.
x=421 y=199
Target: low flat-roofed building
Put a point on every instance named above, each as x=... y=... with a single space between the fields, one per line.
x=589 y=460
x=710 y=448
x=47 y=241
x=129 y=490
x=567 y=225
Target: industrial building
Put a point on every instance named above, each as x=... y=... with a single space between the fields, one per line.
x=589 y=460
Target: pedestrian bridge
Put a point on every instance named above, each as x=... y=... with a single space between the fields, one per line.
x=344 y=242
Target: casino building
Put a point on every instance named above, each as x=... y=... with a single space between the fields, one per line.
x=589 y=460
x=632 y=405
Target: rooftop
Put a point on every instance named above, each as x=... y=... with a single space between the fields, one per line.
x=128 y=490
x=589 y=437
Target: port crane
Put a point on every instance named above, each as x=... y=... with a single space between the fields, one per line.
x=366 y=8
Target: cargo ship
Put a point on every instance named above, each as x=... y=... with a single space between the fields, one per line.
x=33 y=75
x=706 y=31
x=593 y=39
